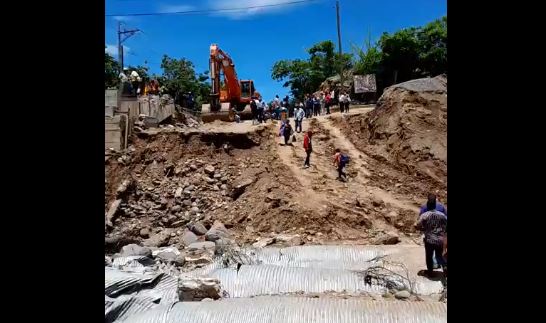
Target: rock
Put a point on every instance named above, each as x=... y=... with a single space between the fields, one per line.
x=193 y=167
x=198 y=229
x=205 y=257
x=188 y=238
x=200 y=246
x=209 y=180
x=377 y=202
x=158 y=240
x=123 y=187
x=387 y=239
x=263 y=242
x=167 y=256
x=207 y=300
x=189 y=188
x=135 y=250
x=224 y=179
x=145 y=233
x=217 y=231
x=112 y=212
x=107 y=261
x=289 y=239
x=217 y=176
x=209 y=169
x=223 y=187
x=240 y=186
x=197 y=288
x=194 y=210
x=178 y=192
x=216 y=188
x=187 y=202
x=176 y=208
x=403 y=294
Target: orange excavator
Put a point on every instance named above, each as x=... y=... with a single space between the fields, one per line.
x=230 y=98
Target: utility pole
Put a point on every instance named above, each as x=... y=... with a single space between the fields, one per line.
x=123 y=35
x=339 y=44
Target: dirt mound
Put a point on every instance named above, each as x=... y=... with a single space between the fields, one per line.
x=408 y=129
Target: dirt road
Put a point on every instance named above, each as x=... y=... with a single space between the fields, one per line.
x=320 y=188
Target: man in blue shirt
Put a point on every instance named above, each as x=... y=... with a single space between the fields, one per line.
x=439 y=206
x=431 y=199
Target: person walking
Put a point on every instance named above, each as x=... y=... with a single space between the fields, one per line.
x=342 y=102
x=287 y=132
x=308 y=106
x=299 y=118
x=308 y=146
x=433 y=224
x=327 y=100
x=316 y=106
x=347 y=102
x=340 y=161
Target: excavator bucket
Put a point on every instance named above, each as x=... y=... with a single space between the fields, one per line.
x=226 y=113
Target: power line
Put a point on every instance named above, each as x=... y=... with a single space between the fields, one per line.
x=206 y=10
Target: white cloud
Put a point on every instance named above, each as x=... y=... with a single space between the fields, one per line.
x=250 y=13
x=113 y=50
x=175 y=8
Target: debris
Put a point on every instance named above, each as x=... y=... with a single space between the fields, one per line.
x=403 y=294
x=197 y=289
x=263 y=242
x=217 y=231
x=135 y=250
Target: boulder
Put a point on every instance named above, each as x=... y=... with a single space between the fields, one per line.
x=188 y=238
x=263 y=242
x=135 y=250
x=217 y=231
x=198 y=228
x=197 y=289
x=388 y=238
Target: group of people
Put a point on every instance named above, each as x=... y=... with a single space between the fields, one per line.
x=133 y=85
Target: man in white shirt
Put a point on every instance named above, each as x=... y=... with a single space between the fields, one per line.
x=341 y=102
x=300 y=114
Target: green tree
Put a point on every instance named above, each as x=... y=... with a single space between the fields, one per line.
x=179 y=77
x=111 y=71
x=408 y=53
x=305 y=76
x=433 y=41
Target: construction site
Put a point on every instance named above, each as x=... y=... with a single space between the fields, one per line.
x=211 y=217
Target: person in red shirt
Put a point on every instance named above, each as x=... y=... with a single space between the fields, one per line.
x=341 y=176
x=308 y=146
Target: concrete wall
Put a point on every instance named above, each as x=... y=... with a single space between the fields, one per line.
x=111 y=98
x=153 y=109
x=112 y=133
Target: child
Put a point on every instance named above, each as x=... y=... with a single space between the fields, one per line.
x=340 y=160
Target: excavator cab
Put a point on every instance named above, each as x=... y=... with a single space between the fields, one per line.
x=247 y=89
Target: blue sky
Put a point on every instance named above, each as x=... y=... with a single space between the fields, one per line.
x=256 y=38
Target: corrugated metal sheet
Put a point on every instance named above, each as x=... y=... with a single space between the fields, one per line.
x=295 y=309
x=127 y=293
x=334 y=257
x=125 y=306
x=132 y=262
x=275 y=280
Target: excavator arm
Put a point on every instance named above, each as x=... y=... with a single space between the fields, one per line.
x=232 y=98
x=220 y=61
